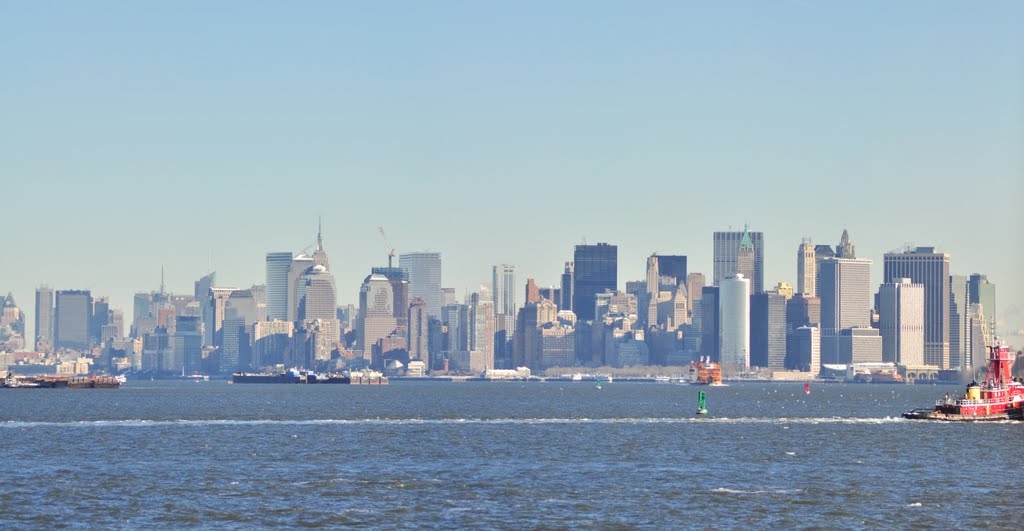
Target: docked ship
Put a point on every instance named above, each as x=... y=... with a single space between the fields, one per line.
x=705 y=372
x=999 y=397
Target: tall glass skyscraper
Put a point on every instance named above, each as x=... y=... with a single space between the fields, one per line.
x=806 y=270
x=72 y=315
x=844 y=286
x=901 y=322
x=959 y=322
x=399 y=279
x=424 y=278
x=317 y=295
x=727 y=256
x=503 y=288
x=672 y=266
x=376 y=313
x=44 y=318
x=278 y=265
x=924 y=265
x=768 y=330
x=419 y=331
x=595 y=270
x=299 y=265
x=983 y=292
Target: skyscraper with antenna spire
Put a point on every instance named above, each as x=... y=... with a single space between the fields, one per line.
x=319 y=255
x=300 y=264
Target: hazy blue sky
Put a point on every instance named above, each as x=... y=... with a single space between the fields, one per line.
x=135 y=134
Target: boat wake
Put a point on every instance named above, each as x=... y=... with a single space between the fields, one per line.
x=141 y=423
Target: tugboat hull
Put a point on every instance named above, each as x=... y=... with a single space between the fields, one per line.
x=931 y=414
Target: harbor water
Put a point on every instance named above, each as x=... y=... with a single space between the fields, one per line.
x=505 y=455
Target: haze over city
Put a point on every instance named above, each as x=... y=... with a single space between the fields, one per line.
x=137 y=137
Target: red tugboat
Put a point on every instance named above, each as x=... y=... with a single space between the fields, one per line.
x=999 y=397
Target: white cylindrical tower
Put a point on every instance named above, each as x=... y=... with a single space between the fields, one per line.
x=734 y=304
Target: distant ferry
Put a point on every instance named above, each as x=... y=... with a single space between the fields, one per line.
x=705 y=372
x=875 y=375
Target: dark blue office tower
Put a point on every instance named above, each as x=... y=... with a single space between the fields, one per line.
x=595 y=271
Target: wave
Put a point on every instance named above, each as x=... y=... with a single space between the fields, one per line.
x=144 y=423
x=724 y=490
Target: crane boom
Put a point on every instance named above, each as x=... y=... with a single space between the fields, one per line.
x=387 y=246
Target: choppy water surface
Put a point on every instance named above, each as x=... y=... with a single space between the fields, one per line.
x=179 y=454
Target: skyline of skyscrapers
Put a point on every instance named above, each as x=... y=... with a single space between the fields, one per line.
x=668 y=317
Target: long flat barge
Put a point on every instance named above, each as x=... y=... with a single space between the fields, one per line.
x=60 y=382
x=309 y=377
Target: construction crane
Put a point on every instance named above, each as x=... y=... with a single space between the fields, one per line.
x=387 y=246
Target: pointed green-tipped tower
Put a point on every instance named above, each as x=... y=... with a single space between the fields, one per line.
x=745 y=242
